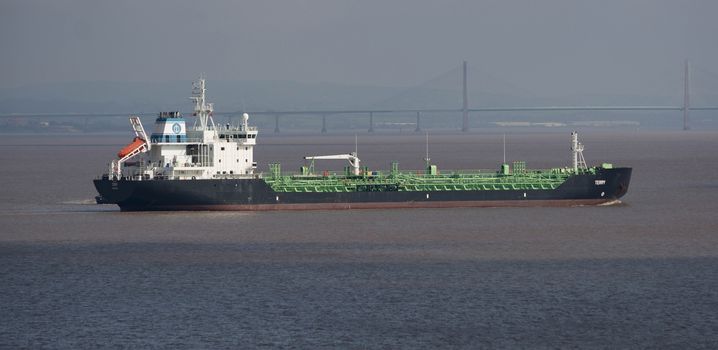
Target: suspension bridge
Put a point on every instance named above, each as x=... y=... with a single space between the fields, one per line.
x=464 y=109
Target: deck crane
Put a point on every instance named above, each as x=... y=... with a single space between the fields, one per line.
x=351 y=157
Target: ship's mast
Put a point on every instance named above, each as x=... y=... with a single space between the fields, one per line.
x=577 y=152
x=202 y=109
x=427 y=160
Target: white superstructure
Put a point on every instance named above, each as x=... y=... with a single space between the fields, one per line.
x=177 y=151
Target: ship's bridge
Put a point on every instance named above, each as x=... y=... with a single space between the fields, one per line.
x=170 y=127
x=242 y=133
x=238 y=134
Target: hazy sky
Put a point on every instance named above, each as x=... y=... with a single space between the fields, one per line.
x=549 y=47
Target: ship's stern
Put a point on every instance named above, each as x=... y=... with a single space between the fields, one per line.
x=109 y=191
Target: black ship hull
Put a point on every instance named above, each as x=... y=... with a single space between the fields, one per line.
x=606 y=186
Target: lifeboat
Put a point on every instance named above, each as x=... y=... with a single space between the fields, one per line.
x=136 y=143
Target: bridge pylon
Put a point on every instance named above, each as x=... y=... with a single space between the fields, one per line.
x=418 y=122
x=686 y=95
x=465 y=95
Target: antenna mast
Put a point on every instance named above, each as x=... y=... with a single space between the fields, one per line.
x=427 y=159
x=202 y=109
x=577 y=151
x=504 y=148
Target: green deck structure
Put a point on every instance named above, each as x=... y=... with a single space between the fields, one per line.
x=516 y=177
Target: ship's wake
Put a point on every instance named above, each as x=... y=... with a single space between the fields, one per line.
x=86 y=201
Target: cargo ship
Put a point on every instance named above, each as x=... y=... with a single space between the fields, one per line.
x=208 y=166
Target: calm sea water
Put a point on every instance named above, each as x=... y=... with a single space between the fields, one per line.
x=641 y=274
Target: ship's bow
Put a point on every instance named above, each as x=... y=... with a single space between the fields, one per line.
x=621 y=179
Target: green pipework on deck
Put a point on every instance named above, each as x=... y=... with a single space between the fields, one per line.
x=431 y=180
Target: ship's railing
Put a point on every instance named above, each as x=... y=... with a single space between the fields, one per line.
x=184 y=140
x=195 y=140
x=417 y=181
x=234 y=127
x=139 y=176
x=275 y=170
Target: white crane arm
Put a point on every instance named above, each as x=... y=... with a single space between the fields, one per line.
x=335 y=156
x=352 y=158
